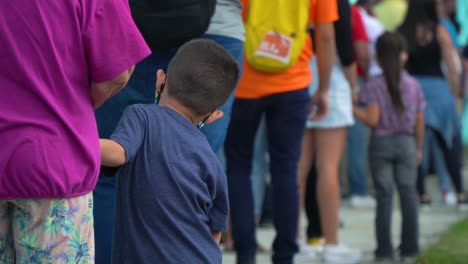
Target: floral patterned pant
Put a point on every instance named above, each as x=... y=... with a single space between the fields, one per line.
x=47 y=231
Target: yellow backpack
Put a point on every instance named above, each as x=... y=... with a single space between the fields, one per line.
x=276 y=31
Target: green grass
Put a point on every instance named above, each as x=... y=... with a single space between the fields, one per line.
x=451 y=249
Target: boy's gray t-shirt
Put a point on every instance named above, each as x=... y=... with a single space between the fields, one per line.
x=171 y=192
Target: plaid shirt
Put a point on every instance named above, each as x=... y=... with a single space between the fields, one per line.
x=392 y=121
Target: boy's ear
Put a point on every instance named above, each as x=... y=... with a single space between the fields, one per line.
x=160 y=79
x=217 y=114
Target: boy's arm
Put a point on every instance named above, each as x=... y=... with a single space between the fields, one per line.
x=112 y=153
x=216 y=236
x=126 y=140
x=219 y=213
x=369 y=116
x=419 y=131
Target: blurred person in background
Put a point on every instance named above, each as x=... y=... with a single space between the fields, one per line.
x=435 y=152
x=373 y=29
x=393 y=108
x=430 y=47
x=356 y=152
x=323 y=145
x=283 y=98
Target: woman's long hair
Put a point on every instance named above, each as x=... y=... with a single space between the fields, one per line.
x=420 y=13
x=389 y=48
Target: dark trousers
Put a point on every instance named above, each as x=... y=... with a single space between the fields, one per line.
x=393 y=159
x=453 y=159
x=314 y=227
x=285 y=115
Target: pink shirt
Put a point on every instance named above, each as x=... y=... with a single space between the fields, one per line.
x=392 y=121
x=49 y=53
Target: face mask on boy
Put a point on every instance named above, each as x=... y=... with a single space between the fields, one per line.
x=158 y=97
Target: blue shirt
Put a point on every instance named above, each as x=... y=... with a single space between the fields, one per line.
x=171 y=192
x=450 y=27
x=462 y=17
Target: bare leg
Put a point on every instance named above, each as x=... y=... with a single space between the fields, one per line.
x=329 y=146
x=304 y=166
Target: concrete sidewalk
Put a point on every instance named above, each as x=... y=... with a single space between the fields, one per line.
x=358 y=230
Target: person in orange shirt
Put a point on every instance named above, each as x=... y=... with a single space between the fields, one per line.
x=283 y=98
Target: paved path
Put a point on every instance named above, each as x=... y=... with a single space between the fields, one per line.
x=359 y=228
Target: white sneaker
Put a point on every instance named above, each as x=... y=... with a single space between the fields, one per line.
x=306 y=253
x=341 y=254
x=449 y=199
x=362 y=202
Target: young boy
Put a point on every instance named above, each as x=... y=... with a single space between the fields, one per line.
x=172 y=200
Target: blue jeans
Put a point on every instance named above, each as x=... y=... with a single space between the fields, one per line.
x=285 y=115
x=452 y=158
x=216 y=132
x=141 y=89
x=443 y=127
x=356 y=153
x=433 y=153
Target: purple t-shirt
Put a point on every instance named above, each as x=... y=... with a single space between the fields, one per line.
x=49 y=53
x=391 y=120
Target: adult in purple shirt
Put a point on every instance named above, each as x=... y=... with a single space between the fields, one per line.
x=59 y=60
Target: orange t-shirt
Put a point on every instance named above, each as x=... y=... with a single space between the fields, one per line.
x=256 y=84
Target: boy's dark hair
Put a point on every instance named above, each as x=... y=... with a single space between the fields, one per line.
x=389 y=48
x=202 y=75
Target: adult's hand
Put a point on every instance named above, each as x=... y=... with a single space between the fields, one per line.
x=326 y=52
x=319 y=105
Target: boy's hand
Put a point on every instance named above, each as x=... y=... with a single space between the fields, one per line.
x=319 y=105
x=216 y=236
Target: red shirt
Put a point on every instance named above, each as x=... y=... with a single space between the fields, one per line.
x=358 y=30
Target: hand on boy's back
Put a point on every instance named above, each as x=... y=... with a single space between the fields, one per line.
x=319 y=106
